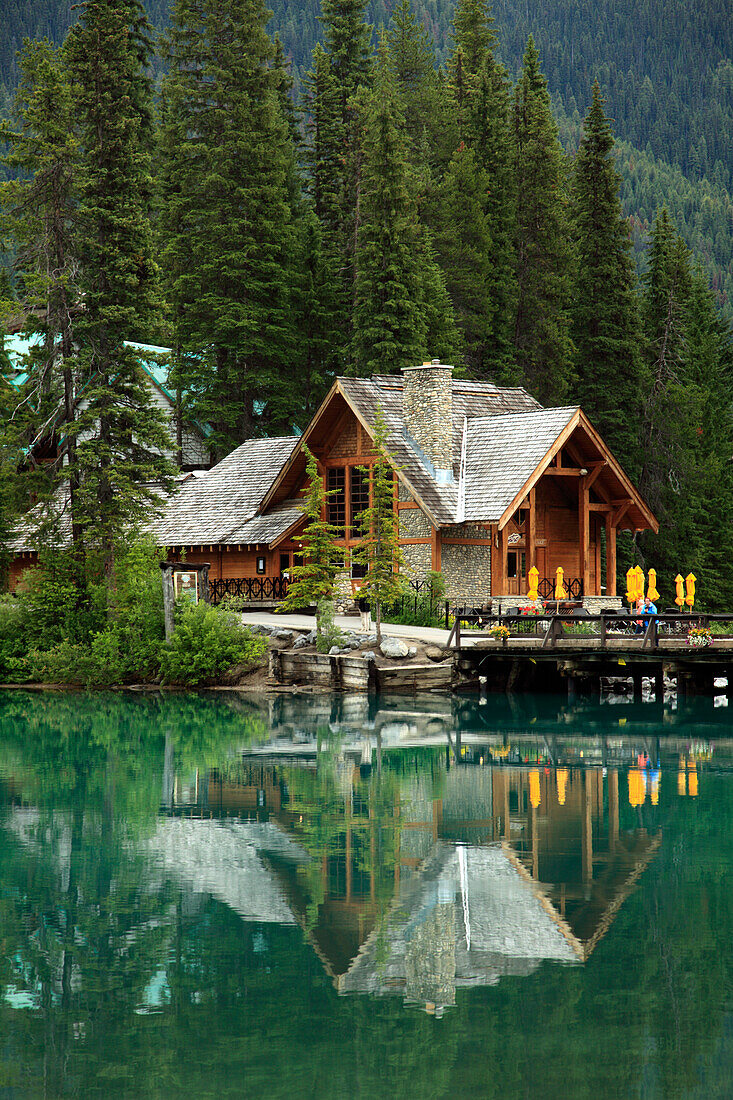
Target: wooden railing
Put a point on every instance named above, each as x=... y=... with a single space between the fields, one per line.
x=573 y=586
x=249 y=588
x=551 y=627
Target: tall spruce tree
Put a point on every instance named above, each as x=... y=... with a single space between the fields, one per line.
x=120 y=436
x=347 y=38
x=39 y=211
x=606 y=332
x=543 y=344
x=388 y=325
x=688 y=427
x=490 y=134
x=463 y=243
x=226 y=165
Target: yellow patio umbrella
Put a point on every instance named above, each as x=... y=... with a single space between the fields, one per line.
x=631 y=596
x=679 y=583
x=534 y=579
x=639 y=582
x=652 y=586
x=534 y=787
x=690 y=581
x=560 y=593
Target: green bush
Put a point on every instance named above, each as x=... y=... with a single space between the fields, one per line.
x=425 y=609
x=207 y=642
x=329 y=634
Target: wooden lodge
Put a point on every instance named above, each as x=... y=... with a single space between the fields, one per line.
x=487 y=484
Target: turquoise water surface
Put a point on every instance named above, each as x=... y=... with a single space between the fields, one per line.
x=293 y=897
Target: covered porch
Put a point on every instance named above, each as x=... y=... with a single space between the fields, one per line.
x=568 y=514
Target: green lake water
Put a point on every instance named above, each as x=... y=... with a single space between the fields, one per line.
x=293 y=897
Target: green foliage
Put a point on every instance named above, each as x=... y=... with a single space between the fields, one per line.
x=109 y=635
x=379 y=549
x=227 y=161
x=312 y=582
x=608 y=367
x=543 y=344
x=388 y=329
x=425 y=608
x=328 y=633
x=207 y=642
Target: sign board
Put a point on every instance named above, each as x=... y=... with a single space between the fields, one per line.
x=186 y=584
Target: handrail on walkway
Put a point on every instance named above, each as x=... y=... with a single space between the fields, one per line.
x=551 y=626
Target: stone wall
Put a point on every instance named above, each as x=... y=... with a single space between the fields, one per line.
x=466 y=569
x=427 y=407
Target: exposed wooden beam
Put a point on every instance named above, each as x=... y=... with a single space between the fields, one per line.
x=610 y=556
x=530 y=532
x=620 y=512
x=595 y=471
x=583 y=533
x=564 y=471
x=540 y=468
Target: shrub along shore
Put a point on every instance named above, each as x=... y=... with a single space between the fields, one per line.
x=110 y=631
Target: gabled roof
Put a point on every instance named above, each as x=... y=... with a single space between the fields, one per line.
x=363 y=395
x=502 y=452
x=223 y=506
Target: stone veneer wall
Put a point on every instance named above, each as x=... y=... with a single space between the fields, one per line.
x=414 y=524
x=466 y=569
x=427 y=409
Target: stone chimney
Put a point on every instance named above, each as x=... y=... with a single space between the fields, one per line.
x=427 y=410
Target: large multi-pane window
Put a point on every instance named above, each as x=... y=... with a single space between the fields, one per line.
x=336 y=500
x=359 y=498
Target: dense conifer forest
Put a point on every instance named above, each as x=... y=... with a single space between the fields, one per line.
x=665 y=70
x=277 y=219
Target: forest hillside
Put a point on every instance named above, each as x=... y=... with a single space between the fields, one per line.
x=665 y=69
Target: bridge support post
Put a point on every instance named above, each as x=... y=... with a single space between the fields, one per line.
x=637 y=687
x=659 y=685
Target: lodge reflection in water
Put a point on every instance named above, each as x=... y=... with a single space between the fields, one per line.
x=411 y=872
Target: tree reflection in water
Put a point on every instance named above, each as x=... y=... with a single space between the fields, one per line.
x=223 y=896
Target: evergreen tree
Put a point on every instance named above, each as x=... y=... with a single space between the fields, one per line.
x=312 y=582
x=412 y=62
x=388 y=328
x=473 y=39
x=688 y=426
x=227 y=163
x=464 y=248
x=379 y=548
x=348 y=44
x=490 y=135
x=542 y=332
x=606 y=333
x=120 y=437
x=39 y=210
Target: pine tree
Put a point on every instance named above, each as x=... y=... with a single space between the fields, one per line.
x=348 y=44
x=543 y=345
x=490 y=135
x=412 y=62
x=473 y=40
x=312 y=582
x=388 y=328
x=606 y=331
x=120 y=436
x=379 y=548
x=227 y=163
x=464 y=249
x=688 y=426
x=39 y=217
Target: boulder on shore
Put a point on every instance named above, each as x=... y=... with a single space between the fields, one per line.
x=393 y=647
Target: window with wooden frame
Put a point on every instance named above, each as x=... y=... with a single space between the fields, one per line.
x=261 y=564
x=336 y=500
x=359 y=498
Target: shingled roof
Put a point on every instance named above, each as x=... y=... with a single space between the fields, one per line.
x=223 y=506
x=470 y=399
x=502 y=453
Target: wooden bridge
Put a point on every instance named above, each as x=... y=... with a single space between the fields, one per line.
x=548 y=652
